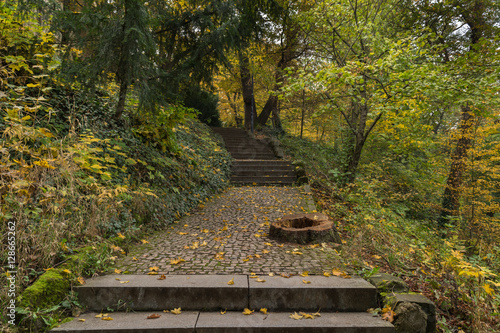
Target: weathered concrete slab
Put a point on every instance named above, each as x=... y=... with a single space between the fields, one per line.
x=146 y=292
x=281 y=322
x=133 y=322
x=325 y=293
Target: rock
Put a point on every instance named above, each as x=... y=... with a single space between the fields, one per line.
x=387 y=283
x=410 y=318
x=425 y=304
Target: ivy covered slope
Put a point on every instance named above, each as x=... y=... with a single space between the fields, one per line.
x=72 y=177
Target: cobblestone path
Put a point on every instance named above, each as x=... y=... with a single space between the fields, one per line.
x=229 y=235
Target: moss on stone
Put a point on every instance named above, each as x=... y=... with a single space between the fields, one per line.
x=50 y=289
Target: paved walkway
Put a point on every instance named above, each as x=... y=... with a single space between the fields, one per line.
x=229 y=235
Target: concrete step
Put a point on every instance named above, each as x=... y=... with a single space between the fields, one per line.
x=258 y=163
x=262 y=180
x=208 y=322
x=253 y=156
x=146 y=292
x=211 y=293
x=263 y=173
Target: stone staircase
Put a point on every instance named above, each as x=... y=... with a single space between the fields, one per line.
x=254 y=161
x=204 y=299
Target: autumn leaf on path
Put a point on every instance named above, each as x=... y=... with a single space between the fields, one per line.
x=231 y=282
x=176 y=261
x=326 y=274
x=306 y=282
x=263 y=310
x=154 y=269
x=247 y=311
x=286 y=275
x=162 y=277
x=124 y=281
x=153 y=316
x=144 y=241
x=117 y=271
x=296 y=316
x=153 y=273
x=81 y=280
x=82 y=320
x=176 y=311
x=260 y=280
x=266 y=251
x=304 y=274
x=106 y=318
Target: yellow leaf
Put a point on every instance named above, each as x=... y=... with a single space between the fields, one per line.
x=154 y=269
x=326 y=274
x=144 y=241
x=223 y=312
x=388 y=314
x=153 y=273
x=121 y=235
x=99 y=315
x=306 y=282
x=266 y=251
x=183 y=233
x=48 y=269
x=67 y=271
x=135 y=259
x=297 y=252
x=260 y=280
x=271 y=274
x=317 y=314
x=231 y=282
x=488 y=289
x=117 y=279
x=263 y=310
x=106 y=318
x=81 y=280
x=296 y=316
x=304 y=274
x=117 y=271
x=81 y=319
x=247 y=311
x=176 y=311
x=124 y=281
x=307 y=315
x=268 y=244
x=176 y=261
x=162 y=277
x=336 y=272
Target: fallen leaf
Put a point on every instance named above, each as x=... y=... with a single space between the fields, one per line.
x=297 y=252
x=247 y=311
x=162 y=277
x=117 y=279
x=81 y=280
x=183 y=233
x=154 y=269
x=176 y=311
x=307 y=315
x=286 y=275
x=263 y=310
x=231 y=282
x=135 y=259
x=488 y=289
x=166 y=311
x=271 y=274
x=113 y=258
x=117 y=271
x=296 y=316
x=153 y=273
x=106 y=318
x=258 y=256
x=82 y=320
x=260 y=280
x=268 y=244
x=176 y=261
x=124 y=281
x=306 y=282
x=153 y=316
x=317 y=314
x=326 y=274
x=388 y=314
x=144 y=241
x=305 y=273
x=67 y=271
x=99 y=315
x=266 y=251
x=121 y=235
x=223 y=312
x=336 y=272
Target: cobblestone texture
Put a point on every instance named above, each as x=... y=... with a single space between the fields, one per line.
x=229 y=236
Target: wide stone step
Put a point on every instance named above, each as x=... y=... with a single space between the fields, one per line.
x=253 y=156
x=212 y=292
x=263 y=173
x=263 y=180
x=208 y=322
x=257 y=163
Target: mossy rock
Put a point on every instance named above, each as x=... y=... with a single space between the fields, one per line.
x=51 y=288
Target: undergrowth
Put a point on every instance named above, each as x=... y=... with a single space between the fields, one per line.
x=392 y=228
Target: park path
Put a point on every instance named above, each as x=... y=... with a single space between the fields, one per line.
x=228 y=235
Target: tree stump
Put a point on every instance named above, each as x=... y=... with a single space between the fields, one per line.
x=304 y=229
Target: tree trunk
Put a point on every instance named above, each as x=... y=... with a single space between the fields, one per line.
x=122 y=96
x=247 y=90
x=451 y=196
